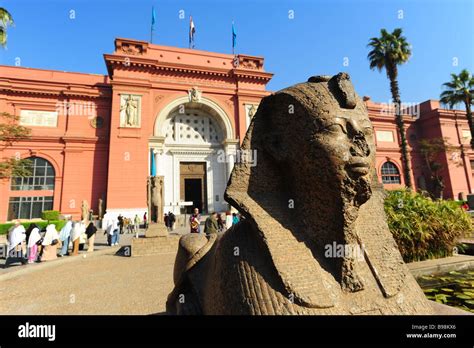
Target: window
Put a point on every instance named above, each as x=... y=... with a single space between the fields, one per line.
x=28 y=207
x=42 y=177
x=390 y=174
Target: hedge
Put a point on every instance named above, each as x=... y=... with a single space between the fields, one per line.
x=50 y=215
x=41 y=224
x=424 y=228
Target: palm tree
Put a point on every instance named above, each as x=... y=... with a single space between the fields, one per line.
x=5 y=20
x=388 y=51
x=460 y=90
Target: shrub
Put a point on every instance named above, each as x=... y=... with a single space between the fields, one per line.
x=41 y=224
x=50 y=215
x=423 y=228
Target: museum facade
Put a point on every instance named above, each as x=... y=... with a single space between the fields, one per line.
x=175 y=114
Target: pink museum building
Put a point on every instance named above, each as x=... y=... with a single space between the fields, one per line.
x=179 y=114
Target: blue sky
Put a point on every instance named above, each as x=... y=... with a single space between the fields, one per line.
x=322 y=36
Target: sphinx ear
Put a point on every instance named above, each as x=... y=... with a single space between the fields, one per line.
x=272 y=142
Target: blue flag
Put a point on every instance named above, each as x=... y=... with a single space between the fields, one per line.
x=234 y=37
x=153 y=16
x=152 y=163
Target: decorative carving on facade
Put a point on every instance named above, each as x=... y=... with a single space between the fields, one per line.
x=252 y=63
x=130 y=110
x=158 y=98
x=132 y=49
x=97 y=122
x=194 y=95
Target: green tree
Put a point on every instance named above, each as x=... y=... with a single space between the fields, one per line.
x=6 y=20
x=10 y=132
x=431 y=149
x=389 y=51
x=460 y=90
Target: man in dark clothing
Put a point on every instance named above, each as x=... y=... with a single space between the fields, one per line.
x=210 y=225
x=171 y=221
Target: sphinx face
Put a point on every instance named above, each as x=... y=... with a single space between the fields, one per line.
x=344 y=143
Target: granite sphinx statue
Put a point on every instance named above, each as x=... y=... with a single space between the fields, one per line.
x=313 y=193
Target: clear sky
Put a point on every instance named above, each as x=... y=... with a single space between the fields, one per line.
x=317 y=38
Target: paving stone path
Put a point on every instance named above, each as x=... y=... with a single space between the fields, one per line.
x=104 y=284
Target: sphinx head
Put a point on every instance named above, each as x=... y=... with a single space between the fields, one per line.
x=319 y=134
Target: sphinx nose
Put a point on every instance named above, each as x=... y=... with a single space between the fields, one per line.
x=359 y=145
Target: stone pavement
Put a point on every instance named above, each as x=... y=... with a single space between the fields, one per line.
x=106 y=284
x=99 y=245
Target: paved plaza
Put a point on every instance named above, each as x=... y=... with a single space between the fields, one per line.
x=104 y=284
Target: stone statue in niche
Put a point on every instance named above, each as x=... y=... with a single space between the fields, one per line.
x=313 y=193
x=130 y=110
x=252 y=110
x=194 y=95
x=84 y=210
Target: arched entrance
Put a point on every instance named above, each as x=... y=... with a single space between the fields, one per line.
x=194 y=150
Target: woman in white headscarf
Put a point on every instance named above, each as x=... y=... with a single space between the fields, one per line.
x=33 y=240
x=78 y=229
x=50 y=243
x=16 y=237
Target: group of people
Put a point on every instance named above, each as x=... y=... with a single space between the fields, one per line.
x=33 y=245
x=214 y=223
x=115 y=227
x=170 y=219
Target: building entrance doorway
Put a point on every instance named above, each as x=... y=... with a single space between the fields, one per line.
x=193 y=185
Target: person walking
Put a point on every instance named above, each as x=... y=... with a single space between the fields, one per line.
x=34 y=241
x=90 y=232
x=16 y=239
x=220 y=223
x=235 y=219
x=120 y=220
x=77 y=230
x=145 y=221
x=195 y=221
x=172 y=220
x=137 y=224
x=50 y=244
x=211 y=226
x=64 y=237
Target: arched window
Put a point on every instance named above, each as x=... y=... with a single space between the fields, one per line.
x=42 y=177
x=31 y=205
x=390 y=173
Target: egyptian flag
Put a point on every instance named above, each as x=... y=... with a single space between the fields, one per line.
x=192 y=30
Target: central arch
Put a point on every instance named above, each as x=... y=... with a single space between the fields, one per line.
x=204 y=103
x=191 y=139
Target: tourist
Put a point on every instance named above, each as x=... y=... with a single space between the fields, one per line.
x=34 y=241
x=211 y=226
x=64 y=237
x=145 y=222
x=220 y=223
x=120 y=220
x=465 y=206
x=137 y=224
x=172 y=220
x=77 y=230
x=50 y=243
x=195 y=221
x=16 y=239
x=90 y=232
x=235 y=219
x=167 y=221
x=111 y=234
